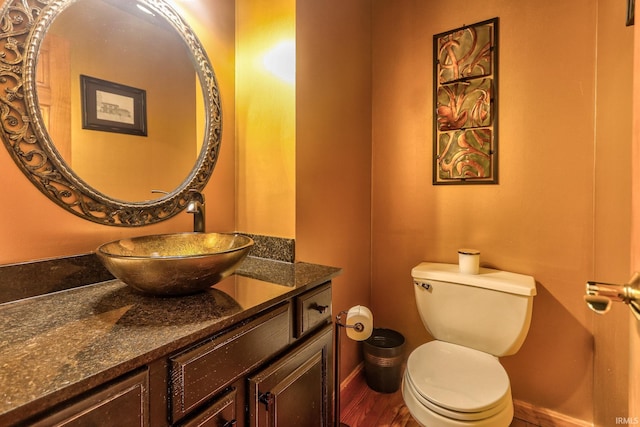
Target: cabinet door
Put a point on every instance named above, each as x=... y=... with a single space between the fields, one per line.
x=296 y=389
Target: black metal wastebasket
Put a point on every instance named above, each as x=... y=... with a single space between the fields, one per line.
x=383 y=357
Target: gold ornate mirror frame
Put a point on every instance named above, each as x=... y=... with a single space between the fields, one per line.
x=23 y=25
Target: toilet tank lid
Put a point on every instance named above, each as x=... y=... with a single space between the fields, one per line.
x=488 y=278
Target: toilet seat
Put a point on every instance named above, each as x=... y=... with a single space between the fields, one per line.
x=457 y=382
x=467 y=417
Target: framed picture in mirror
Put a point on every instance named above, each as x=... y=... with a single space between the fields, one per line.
x=465 y=87
x=113 y=107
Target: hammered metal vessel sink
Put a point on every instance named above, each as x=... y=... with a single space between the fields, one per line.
x=175 y=264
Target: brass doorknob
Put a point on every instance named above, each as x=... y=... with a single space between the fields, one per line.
x=600 y=295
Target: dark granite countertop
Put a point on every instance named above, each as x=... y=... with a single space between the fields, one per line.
x=55 y=346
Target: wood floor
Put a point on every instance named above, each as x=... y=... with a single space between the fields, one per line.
x=363 y=407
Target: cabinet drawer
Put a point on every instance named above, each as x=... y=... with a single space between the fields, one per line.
x=124 y=402
x=312 y=308
x=199 y=373
x=222 y=412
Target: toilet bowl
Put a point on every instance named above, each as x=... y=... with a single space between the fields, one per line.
x=450 y=385
x=457 y=379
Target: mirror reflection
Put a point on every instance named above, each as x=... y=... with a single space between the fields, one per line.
x=116 y=42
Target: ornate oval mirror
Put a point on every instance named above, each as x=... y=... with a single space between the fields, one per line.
x=104 y=101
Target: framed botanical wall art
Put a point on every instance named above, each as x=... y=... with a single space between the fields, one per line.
x=466 y=105
x=113 y=107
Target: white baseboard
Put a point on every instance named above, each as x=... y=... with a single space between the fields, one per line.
x=545 y=417
x=357 y=371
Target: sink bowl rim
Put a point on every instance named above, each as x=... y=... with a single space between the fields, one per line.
x=102 y=249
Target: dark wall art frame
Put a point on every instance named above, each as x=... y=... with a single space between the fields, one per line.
x=113 y=107
x=465 y=92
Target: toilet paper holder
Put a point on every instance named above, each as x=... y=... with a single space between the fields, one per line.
x=358 y=326
x=599 y=296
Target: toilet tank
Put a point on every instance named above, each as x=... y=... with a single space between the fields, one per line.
x=489 y=311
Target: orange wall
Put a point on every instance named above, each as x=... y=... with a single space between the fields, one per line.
x=333 y=148
x=33 y=227
x=266 y=109
x=540 y=219
x=634 y=345
x=612 y=207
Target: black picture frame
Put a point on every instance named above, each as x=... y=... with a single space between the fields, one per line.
x=113 y=107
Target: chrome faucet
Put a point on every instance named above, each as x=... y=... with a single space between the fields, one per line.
x=196 y=207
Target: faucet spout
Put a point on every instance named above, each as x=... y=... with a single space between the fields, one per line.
x=196 y=207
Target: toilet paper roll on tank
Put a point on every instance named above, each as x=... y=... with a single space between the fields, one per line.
x=469 y=261
x=359 y=323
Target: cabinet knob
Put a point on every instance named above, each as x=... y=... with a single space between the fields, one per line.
x=320 y=308
x=266 y=399
x=231 y=423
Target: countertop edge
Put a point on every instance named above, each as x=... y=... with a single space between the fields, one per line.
x=299 y=276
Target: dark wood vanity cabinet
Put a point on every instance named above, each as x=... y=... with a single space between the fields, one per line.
x=272 y=369
x=276 y=370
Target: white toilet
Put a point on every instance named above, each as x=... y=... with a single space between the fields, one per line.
x=457 y=380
